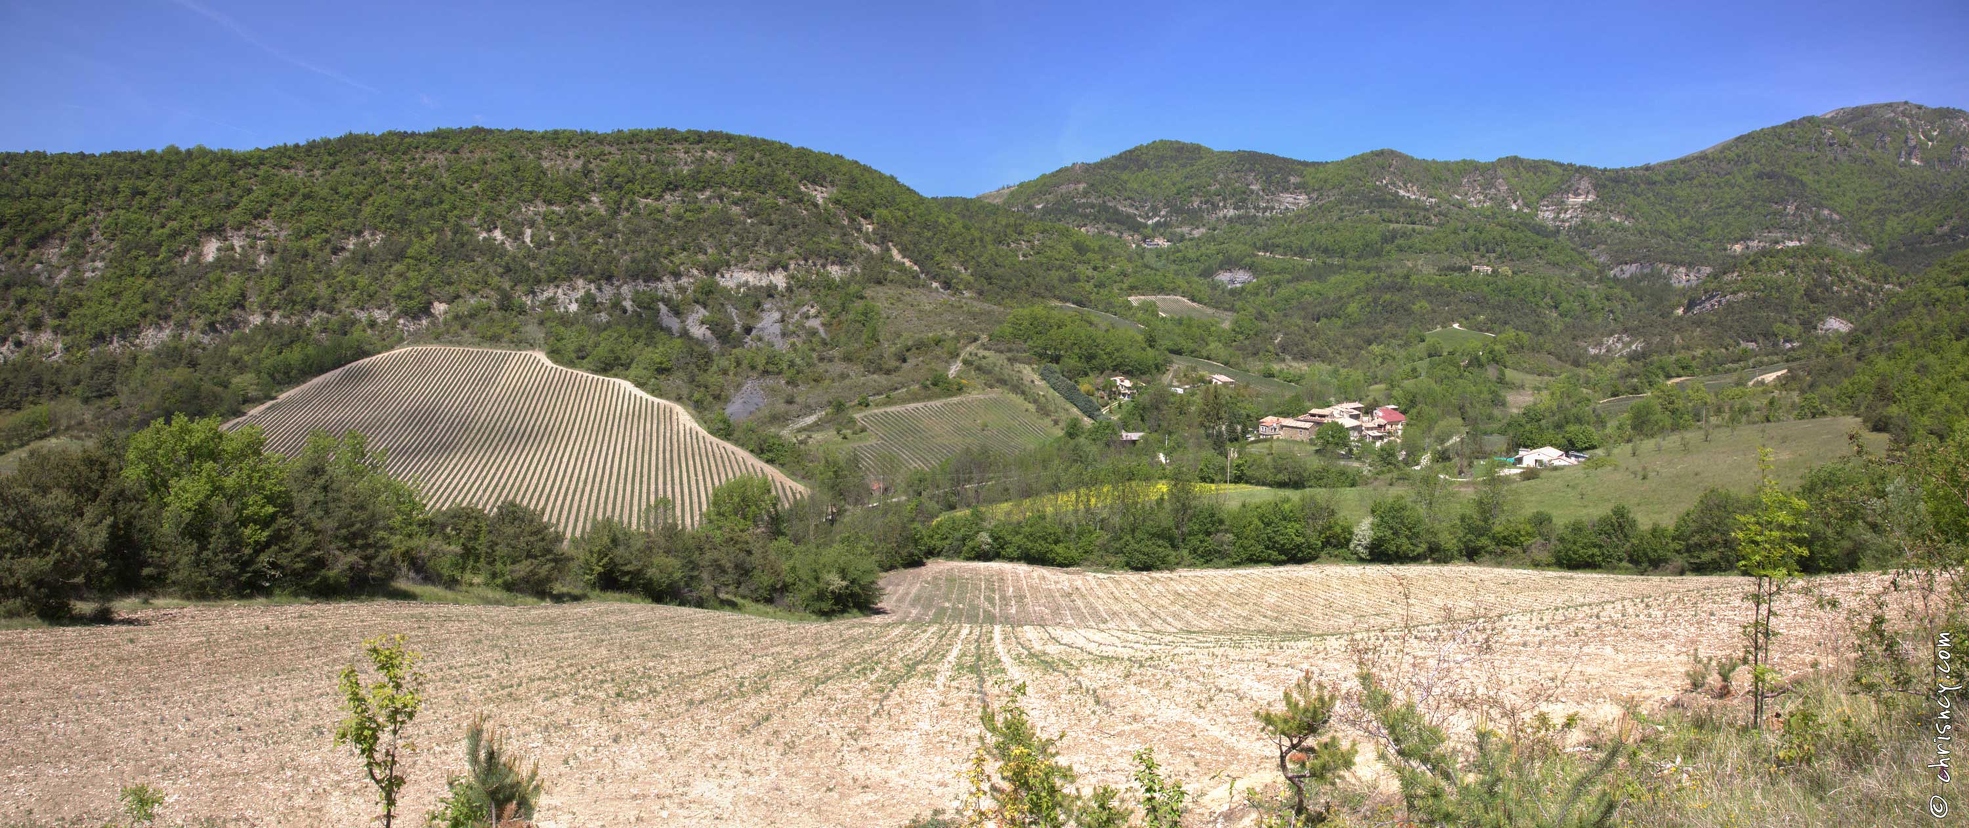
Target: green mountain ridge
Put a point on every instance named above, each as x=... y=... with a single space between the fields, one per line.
x=708 y=267
x=104 y=248
x=1891 y=178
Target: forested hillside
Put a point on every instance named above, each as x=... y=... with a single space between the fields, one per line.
x=115 y=247
x=1763 y=241
x=1887 y=177
x=755 y=280
x=201 y=280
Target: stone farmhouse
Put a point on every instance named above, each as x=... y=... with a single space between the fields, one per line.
x=1381 y=424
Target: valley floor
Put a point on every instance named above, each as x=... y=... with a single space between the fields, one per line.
x=654 y=715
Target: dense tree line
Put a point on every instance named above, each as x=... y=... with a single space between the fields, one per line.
x=190 y=509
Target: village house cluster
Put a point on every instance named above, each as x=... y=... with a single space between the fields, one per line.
x=1376 y=426
x=1122 y=389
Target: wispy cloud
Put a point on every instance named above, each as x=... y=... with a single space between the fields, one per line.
x=247 y=35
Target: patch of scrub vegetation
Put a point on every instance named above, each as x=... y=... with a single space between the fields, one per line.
x=1455 y=336
x=1660 y=478
x=1183 y=306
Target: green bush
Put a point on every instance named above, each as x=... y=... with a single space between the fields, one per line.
x=1401 y=532
x=347 y=518
x=525 y=551
x=833 y=579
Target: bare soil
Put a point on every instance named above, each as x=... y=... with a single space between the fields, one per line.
x=666 y=716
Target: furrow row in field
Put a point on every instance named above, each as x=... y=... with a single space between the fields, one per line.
x=921 y=435
x=1264 y=604
x=481 y=427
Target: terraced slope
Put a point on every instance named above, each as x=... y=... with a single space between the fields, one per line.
x=921 y=435
x=480 y=426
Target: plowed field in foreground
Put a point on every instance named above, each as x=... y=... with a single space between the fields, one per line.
x=666 y=716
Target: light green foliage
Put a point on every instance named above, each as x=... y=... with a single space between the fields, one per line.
x=1163 y=801
x=833 y=579
x=222 y=499
x=139 y=803
x=1332 y=437
x=1032 y=789
x=1078 y=346
x=1017 y=780
x=379 y=712
x=1309 y=756
x=1770 y=543
x=744 y=504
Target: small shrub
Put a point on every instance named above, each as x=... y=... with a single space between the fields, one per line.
x=140 y=804
x=498 y=785
x=1803 y=732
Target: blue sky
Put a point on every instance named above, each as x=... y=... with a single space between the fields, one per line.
x=956 y=99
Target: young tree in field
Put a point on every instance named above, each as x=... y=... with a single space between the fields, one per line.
x=1770 y=542
x=1500 y=780
x=1018 y=781
x=1306 y=760
x=497 y=786
x=1162 y=800
x=1031 y=791
x=378 y=714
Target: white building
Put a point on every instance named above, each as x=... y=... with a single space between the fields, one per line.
x=1544 y=458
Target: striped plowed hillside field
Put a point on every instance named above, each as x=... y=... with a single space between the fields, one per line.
x=921 y=435
x=479 y=426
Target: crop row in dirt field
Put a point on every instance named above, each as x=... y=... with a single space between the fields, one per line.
x=921 y=435
x=480 y=426
x=657 y=715
x=1311 y=599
